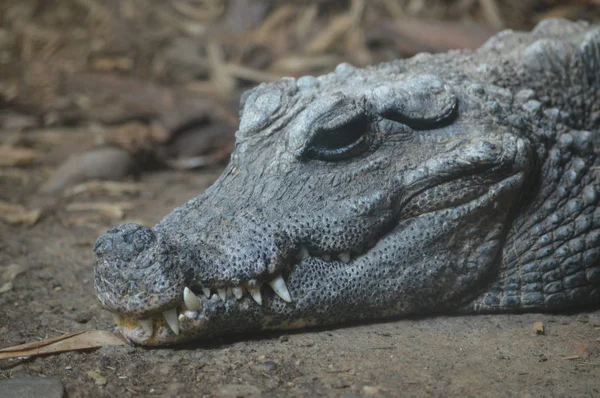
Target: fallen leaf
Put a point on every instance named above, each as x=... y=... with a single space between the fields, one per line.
x=279 y=17
x=6 y=287
x=334 y=32
x=11 y=272
x=97 y=377
x=538 y=327
x=77 y=341
x=96 y=187
x=93 y=221
x=134 y=137
x=11 y=156
x=570 y=357
x=110 y=64
x=17 y=214
x=220 y=75
x=110 y=210
x=296 y=64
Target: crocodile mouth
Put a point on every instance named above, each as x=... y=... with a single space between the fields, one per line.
x=189 y=316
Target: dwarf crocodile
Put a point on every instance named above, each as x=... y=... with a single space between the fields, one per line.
x=464 y=182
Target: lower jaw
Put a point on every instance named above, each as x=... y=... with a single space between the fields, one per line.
x=161 y=334
x=196 y=329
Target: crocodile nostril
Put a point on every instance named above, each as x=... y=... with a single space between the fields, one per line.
x=122 y=245
x=135 y=234
x=142 y=239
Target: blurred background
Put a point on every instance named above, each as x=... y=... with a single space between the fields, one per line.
x=117 y=89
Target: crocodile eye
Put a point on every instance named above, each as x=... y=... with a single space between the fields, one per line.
x=339 y=141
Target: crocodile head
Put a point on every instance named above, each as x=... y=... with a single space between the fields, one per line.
x=350 y=196
x=461 y=181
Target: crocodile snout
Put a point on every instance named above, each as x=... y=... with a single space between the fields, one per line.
x=137 y=271
x=125 y=243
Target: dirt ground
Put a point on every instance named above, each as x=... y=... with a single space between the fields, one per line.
x=475 y=356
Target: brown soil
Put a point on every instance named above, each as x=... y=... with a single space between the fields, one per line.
x=499 y=355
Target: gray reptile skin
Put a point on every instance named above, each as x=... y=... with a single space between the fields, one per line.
x=463 y=182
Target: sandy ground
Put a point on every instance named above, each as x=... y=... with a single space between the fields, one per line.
x=475 y=356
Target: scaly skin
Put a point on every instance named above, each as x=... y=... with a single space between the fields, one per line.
x=463 y=182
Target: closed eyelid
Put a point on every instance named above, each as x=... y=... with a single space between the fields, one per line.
x=325 y=114
x=342 y=118
x=344 y=112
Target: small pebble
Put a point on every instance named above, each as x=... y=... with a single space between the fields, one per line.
x=269 y=366
x=32 y=387
x=370 y=390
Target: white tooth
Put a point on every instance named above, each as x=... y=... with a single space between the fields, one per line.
x=181 y=318
x=223 y=294
x=279 y=287
x=191 y=301
x=206 y=291
x=147 y=326
x=172 y=320
x=214 y=297
x=345 y=257
x=255 y=293
x=326 y=257
x=238 y=292
x=303 y=253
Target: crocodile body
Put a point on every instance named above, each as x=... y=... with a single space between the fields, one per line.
x=463 y=182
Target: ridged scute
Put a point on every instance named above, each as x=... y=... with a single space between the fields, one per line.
x=261 y=105
x=590 y=50
x=559 y=28
x=418 y=101
x=549 y=56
